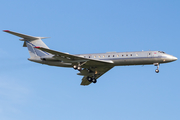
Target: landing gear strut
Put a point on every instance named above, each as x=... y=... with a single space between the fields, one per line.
x=157 y=70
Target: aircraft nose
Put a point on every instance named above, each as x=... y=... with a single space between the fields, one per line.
x=173 y=58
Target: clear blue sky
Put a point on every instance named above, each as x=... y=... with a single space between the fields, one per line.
x=31 y=91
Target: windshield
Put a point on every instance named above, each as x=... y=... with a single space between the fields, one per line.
x=161 y=52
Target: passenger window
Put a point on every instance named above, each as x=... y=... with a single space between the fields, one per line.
x=103 y=56
x=108 y=55
x=94 y=56
x=117 y=55
x=126 y=54
x=131 y=54
x=89 y=56
x=99 y=56
x=149 y=53
x=113 y=55
x=122 y=55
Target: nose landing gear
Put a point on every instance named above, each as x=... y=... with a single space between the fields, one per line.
x=157 y=70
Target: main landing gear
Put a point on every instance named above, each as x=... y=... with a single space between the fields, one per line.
x=77 y=67
x=92 y=79
x=88 y=72
x=157 y=70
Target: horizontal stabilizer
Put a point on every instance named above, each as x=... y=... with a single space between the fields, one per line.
x=25 y=37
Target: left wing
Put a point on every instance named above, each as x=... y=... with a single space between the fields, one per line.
x=99 y=71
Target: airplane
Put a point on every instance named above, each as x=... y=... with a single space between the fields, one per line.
x=91 y=66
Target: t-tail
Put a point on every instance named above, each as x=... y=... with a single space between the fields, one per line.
x=31 y=42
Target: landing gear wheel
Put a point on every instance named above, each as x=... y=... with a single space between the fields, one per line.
x=89 y=79
x=75 y=67
x=94 y=80
x=157 y=71
x=79 y=68
x=89 y=71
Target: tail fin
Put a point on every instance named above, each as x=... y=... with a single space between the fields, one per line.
x=30 y=42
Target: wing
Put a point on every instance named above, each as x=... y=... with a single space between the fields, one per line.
x=99 y=71
x=92 y=67
x=73 y=58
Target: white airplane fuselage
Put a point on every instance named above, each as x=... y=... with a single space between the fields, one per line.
x=118 y=58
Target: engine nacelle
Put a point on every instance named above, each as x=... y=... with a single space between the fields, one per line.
x=47 y=58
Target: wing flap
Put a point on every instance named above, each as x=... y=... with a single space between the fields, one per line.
x=85 y=81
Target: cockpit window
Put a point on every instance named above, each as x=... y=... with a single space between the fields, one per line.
x=161 y=52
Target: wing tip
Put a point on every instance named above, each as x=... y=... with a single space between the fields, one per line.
x=6 y=31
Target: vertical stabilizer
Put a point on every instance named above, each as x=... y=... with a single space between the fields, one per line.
x=30 y=42
x=35 y=52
